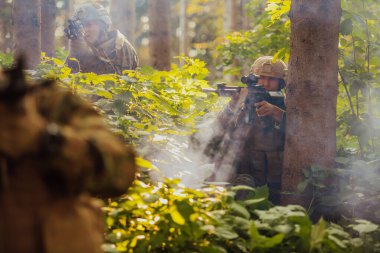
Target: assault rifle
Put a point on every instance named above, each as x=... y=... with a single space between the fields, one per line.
x=73 y=29
x=256 y=93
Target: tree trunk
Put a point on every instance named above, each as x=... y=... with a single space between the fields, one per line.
x=230 y=24
x=2 y=26
x=159 y=33
x=244 y=21
x=5 y=26
x=184 y=39
x=123 y=14
x=311 y=91
x=68 y=10
x=27 y=30
x=48 y=26
x=231 y=15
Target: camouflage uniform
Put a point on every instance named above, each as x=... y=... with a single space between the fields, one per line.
x=113 y=54
x=45 y=206
x=250 y=153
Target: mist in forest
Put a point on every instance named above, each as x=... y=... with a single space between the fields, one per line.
x=184 y=157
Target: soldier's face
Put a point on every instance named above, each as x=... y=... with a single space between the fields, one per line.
x=269 y=83
x=92 y=32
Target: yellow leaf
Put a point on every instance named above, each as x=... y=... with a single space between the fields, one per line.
x=145 y=164
x=176 y=216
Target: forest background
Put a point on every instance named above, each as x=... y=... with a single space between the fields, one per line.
x=159 y=106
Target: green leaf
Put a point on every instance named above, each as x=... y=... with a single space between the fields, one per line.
x=254 y=201
x=239 y=210
x=225 y=232
x=263 y=242
x=242 y=188
x=317 y=235
x=212 y=249
x=364 y=226
x=241 y=223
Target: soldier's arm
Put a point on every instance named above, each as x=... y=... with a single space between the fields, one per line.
x=265 y=108
x=130 y=59
x=79 y=50
x=87 y=152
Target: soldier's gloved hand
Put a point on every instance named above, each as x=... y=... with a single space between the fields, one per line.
x=20 y=127
x=264 y=108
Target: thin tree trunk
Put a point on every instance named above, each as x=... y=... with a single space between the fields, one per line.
x=231 y=23
x=68 y=14
x=27 y=30
x=123 y=14
x=311 y=91
x=2 y=25
x=244 y=18
x=159 y=33
x=231 y=15
x=48 y=26
x=5 y=26
x=184 y=39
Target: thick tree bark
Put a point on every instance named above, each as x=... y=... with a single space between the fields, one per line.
x=159 y=33
x=311 y=91
x=123 y=14
x=27 y=30
x=48 y=26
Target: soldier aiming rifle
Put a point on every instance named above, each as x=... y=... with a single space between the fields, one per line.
x=248 y=149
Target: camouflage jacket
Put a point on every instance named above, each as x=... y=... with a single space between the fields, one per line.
x=112 y=56
x=45 y=204
x=263 y=134
x=234 y=138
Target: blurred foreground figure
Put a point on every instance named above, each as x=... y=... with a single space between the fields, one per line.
x=97 y=47
x=55 y=150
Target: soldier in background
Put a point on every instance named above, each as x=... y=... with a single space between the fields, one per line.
x=97 y=47
x=55 y=152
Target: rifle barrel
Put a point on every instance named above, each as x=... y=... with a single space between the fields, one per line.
x=225 y=92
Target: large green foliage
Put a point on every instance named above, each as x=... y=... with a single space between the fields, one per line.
x=359 y=61
x=269 y=35
x=146 y=106
x=351 y=190
x=167 y=217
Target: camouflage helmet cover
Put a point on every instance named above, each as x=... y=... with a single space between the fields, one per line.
x=264 y=66
x=91 y=11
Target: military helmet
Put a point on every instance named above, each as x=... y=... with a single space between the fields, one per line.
x=264 y=66
x=92 y=11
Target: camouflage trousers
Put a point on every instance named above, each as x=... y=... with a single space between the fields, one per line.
x=265 y=167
